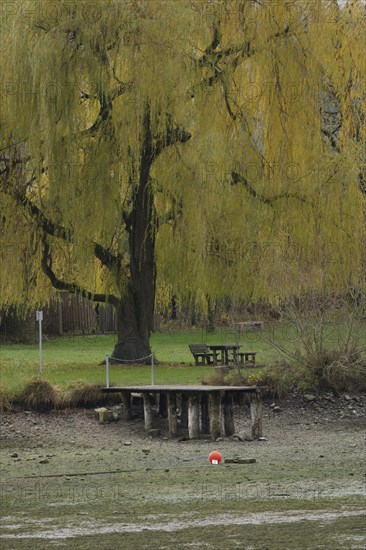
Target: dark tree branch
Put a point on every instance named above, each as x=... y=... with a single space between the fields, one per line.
x=244 y=51
x=42 y=221
x=103 y=115
x=208 y=53
x=232 y=115
x=176 y=135
x=331 y=137
x=13 y=145
x=237 y=178
x=362 y=183
x=106 y=258
x=124 y=88
x=73 y=288
x=106 y=103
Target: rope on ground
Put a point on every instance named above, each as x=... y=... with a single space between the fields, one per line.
x=131 y=360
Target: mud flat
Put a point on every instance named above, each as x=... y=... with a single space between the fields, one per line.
x=69 y=481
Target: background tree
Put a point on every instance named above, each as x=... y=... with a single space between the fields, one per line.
x=211 y=149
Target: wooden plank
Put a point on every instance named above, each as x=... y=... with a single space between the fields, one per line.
x=172 y=414
x=256 y=414
x=187 y=389
x=193 y=416
x=148 y=414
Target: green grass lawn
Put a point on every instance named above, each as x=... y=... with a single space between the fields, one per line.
x=66 y=360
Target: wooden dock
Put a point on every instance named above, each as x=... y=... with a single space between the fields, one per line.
x=203 y=409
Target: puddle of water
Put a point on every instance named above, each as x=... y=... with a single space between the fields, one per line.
x=91 y=528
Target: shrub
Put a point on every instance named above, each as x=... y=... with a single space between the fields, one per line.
x=341 y=372
x=278 y=379
x=39 y=395
x=5 y=401
x=329 y=332
x=214 y=379
x=82 y=394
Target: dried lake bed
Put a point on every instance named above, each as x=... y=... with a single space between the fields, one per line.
x=69 y=481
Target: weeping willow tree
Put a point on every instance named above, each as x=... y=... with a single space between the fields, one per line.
x=205 y=148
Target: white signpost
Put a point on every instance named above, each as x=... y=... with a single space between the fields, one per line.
x=39 y=318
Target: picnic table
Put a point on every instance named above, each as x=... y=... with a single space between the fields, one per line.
x=224 y=354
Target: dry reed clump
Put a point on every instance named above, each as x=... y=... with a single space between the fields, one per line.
x=344 y=373
x=85 y=395
x=39 y=395
x=6 y=401
x=276 y=380
x=214 y=379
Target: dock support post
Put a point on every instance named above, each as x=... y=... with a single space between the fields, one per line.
x=256 y=415
x=162 y=400
x=193 y=417
x=228 y=414
x=172 y=414
x=148 y=416
x=205 y=416
x=126 y=406
x=184 y=411
x=215 y=428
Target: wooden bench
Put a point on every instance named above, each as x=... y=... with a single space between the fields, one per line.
x=201 y=354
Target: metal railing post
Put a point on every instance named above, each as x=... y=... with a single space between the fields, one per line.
x=152 y=368
x=107 y=370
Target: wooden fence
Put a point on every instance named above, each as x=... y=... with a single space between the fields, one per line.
x=70 y=315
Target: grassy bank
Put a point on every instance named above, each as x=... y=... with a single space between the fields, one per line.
x=67 y=360
x=78 y=358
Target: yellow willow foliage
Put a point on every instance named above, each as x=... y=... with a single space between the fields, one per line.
x=273 y=92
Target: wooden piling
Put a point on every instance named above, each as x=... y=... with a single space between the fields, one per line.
x=256 y=414
x=205 y=415
x=126 y=406
x=148 y=414
x=163 y=411
x=193 y=416
x=184 y=411
x=228 y=414
x=215 y=428
x=172 y=414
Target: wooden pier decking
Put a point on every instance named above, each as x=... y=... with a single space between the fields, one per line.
x=205 y=409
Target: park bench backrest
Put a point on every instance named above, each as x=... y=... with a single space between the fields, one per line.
x=199 y=348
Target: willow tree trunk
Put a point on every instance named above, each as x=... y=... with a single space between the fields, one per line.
x=133 y=327
x=136 y=308
x=135 y=312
